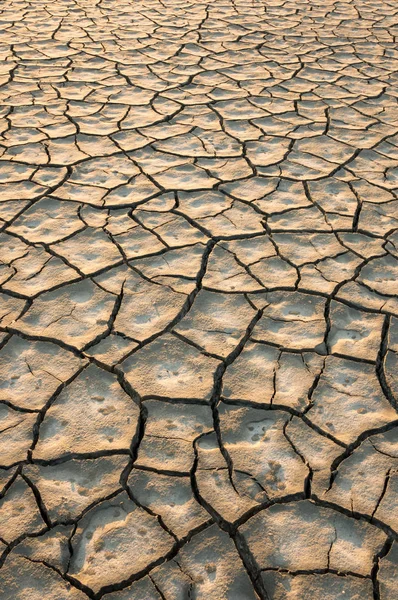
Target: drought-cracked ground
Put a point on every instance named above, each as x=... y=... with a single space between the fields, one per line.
x=199 y=300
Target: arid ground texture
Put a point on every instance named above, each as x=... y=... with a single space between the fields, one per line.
x=199 y=300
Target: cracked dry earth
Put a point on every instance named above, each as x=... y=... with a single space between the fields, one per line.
x=199 y=300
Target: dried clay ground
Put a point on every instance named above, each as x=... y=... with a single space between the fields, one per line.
x=199 y=300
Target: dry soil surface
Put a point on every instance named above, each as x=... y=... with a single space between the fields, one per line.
x=199 y=300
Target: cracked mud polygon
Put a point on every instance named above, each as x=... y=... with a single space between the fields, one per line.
x=199 y=300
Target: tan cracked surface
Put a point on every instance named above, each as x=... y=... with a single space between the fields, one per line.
x=198 y=300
